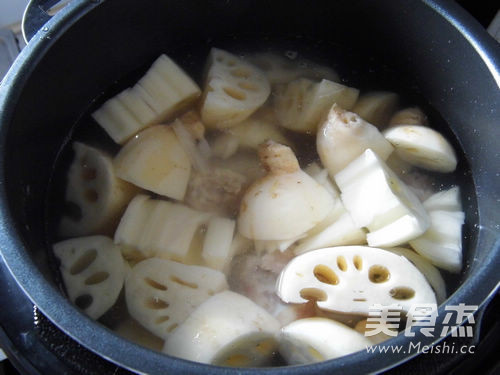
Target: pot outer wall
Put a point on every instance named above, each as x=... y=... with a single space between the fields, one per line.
x=431 y=51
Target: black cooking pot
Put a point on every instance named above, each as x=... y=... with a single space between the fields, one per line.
x=432 y=51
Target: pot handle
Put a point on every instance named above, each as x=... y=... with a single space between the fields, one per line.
x=36 y=14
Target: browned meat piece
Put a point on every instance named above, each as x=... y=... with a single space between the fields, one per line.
x=255 y=277
x=275 y=261
x=219 y=190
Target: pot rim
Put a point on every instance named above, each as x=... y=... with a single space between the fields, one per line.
x=102 y=341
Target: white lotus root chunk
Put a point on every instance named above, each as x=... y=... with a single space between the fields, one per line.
x=423 y=147
x=377 y=107
x=378 y=200
x=249 y=134
x=367 y=329
x=227 y=330
x=157 y=228
x=234 y=89
x=344 y=136
x=95 y=197
x=319 y=339
x=279 y=70
x=338 y=229
x=161 y=294
x=408 y=116
x=155 y=161
x=270 y=246
x=402 y=168
x=430 y=272
x=446 y=200
x=321 y=176
x=224 y=145
x=217 y=250
x=161 y=93
x=442 y=243
x=253 y=132
x=124 y=115
x=93 y=272
x=302 y=104
x=198 y=150
x=350 y=279
x=191 y=121
x=285 y=203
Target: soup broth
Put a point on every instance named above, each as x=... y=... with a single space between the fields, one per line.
x=207 y=234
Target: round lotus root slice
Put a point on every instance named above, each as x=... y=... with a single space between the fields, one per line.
x=161 y=294
x=351 y=279
x=93 y=272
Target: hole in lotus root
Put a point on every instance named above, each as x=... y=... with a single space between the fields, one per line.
x=162 y=319
x=237 y=360
x=177 y=280
x=91 y=195
x=73 y=211
x=247 y=86
x=325 y=274
x=359 y=299
x=235 y=94
x=402 y=293
x=378 y=274
x=83 y=262
x=358 y=262
x=84 y=301
x=172 y=327
x=313 y=294
x=97 y=278
x=240 y=73
x=155 y=284
x=156 y=304
x=341 y=263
